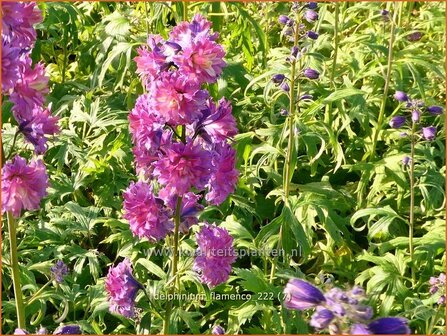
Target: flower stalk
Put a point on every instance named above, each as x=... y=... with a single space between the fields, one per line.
x=20 y=308
x=411 y=223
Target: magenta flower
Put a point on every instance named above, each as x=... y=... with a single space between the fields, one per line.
x=224 y=177
x=201 y=61
x=23 y=185
x=182 y=167
x=122 y=289
x=151 y=60
x=177 y=99
x=10 y=66
x=187 y=32
x=215 y=255
x=217 y=123
x=147 y=215
x=37 y=125
x=18 y=19
x=301 y=295
x=29 y=89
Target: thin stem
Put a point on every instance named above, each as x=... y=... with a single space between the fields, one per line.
x=411 y=228
x=64 y=64
x=15 y=270
x=434 y=320
x=174 y=265
x=185 y=11
x=35 y=295
x=387 y=85
x=11 y=150
x=147 y=18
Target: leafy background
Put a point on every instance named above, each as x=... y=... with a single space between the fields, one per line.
x=348 y=215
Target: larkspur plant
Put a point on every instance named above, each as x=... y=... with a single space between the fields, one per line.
x=340 y=312
x=182 y=148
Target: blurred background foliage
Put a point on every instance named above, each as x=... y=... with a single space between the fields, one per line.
x=348 y=214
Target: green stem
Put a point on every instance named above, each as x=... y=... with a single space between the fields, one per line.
x=11 y=150
x=185 y=10
x=174 y=265
x=64 y=64
x=411 y=226
x=386 y=88
x=34 y=297
x=16 y=271
x=147 y=18
x=435 y=319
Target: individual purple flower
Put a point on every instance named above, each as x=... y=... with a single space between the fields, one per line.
x=415 y=115
x=151 y=59
x=321 y=318
x=36 y=126
x=278 y=78
x=177 y=99
x=218 y=330
x=312 y=5
x=441 y=300
x=20 y=331
x=284 y=112
x=122 y=289
x=359 y=329
x=429 y=133
x=202 y=61
x=285 y=86
x=224 y=176
x=146 y=213
x=311 y=73
x=190 y=208
x=71 y=329
x=217 y=123
x=23 y=185
x=401 y=96
x=384 y=12
x=283 y=19
x=406 y=160
x=182 y=167
x=18 y=19
x=29 y=90
x=415 y=36
x=312 y=35
x=310 y=15
x=301 y=295
x=59 y=271
x=10 y=67
x=435 y=110
x=397 y=121
x=215 y=255
x=389 y=326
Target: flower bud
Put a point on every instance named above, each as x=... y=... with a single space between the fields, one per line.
x=321 y=318
x=312 y=35
x=311 y=15
x=294 y=51
x=312 y=5
x=278 y=78
x=435 y=110
x=441 y=300
x=283 y=19
x=429 y=133
x=415 y=36
x=285 y=86
x=406 y=160
x=397 y=121
x=401 y=96
x=218 y=330
x=311 y=73
x=415 y=116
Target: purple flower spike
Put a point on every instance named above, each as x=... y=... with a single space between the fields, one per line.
x=311 y=73
x=218 y=330
x=301 y=295
x=311 y=15
x=312 y=35
x=435 y=110
x=415 y=116
x=321 y=318
x=283 y=19
x=59 y=270
x=278 y=78
x=359 y=329
x=389 y=326
x=429 y=133
x=401 y=96
x=397 y=121
x=68 y=330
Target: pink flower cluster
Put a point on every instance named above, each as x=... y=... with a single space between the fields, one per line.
x=25 y=84
x=180 y=136
x=122 y=289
